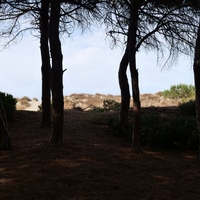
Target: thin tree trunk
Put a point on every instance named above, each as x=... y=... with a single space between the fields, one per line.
x=132 y=35
x=57 y=73
x=46 y=68
x=136 y=138
x=196 y=68
x=125 y=94
x=5 y=142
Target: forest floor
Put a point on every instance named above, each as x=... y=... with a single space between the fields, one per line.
x=90 y=164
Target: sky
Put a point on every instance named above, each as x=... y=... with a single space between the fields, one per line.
x=92 y=67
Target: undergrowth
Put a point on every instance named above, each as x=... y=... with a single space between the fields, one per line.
x=162 y=130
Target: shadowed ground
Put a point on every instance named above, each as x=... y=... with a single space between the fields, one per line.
x=90 y=164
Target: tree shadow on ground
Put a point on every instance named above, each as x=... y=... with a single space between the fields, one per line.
x=90 y=164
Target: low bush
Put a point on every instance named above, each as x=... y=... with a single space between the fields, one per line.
x=161 y=131
x=167 y=132
x=111 y=105
x=181 y=92
x=108 y=105
x=9 y=103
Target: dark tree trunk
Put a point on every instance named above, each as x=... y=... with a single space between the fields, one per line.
x=5 y=142
x=46 y=68
x=125 y=94
x=196 y=68
x=132 y=35
x=57 y=73
x=136 y=139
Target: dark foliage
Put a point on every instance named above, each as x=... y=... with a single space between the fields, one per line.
x=162 y=130
x=9 y=103
x=188 y=108
x=167 y=131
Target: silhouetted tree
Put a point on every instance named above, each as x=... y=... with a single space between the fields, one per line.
x=195 y=7
x=151 y=25
x=80 y=11
x=196 y=68
x=5 y=142
x=13 y=20
x=125 y=93
x=46 y=66
x=34 y=14
x=57 y=72
x=73 y=10
x=52 y=18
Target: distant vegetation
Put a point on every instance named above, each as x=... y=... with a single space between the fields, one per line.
x=181 y=92
x=108 y=105
x=186 y=95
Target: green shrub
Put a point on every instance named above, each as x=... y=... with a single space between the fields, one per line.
x=180 y=92
x=9 y=104
x=111 y=105
x=108 y=105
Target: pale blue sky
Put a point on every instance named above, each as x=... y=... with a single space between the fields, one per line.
x=92 y=67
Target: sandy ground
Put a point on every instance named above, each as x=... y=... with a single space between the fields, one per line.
x=90 y=164
x=33 y=105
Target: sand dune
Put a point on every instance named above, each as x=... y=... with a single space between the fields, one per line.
x=87 y=100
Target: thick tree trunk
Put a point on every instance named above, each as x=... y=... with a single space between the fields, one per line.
x=57 y=73
x=5 y=142
x=125 y=94
x=46 y=68
x=196 y=68
x=132 y=35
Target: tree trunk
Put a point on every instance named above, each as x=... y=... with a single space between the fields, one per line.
x=5 y=142
x=57 y=73
x=132 y=35
x=196 y=68
x=136 y=139
x=125 y=94
x=46 y=68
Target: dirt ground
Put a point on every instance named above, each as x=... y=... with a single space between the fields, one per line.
x=90 y=164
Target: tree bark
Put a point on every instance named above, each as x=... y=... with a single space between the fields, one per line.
x=57 y=73
x=132 y=35
x=125 y=94
x=196 y=68
x=136 y=138
x=46 y=67
x=5 y=142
